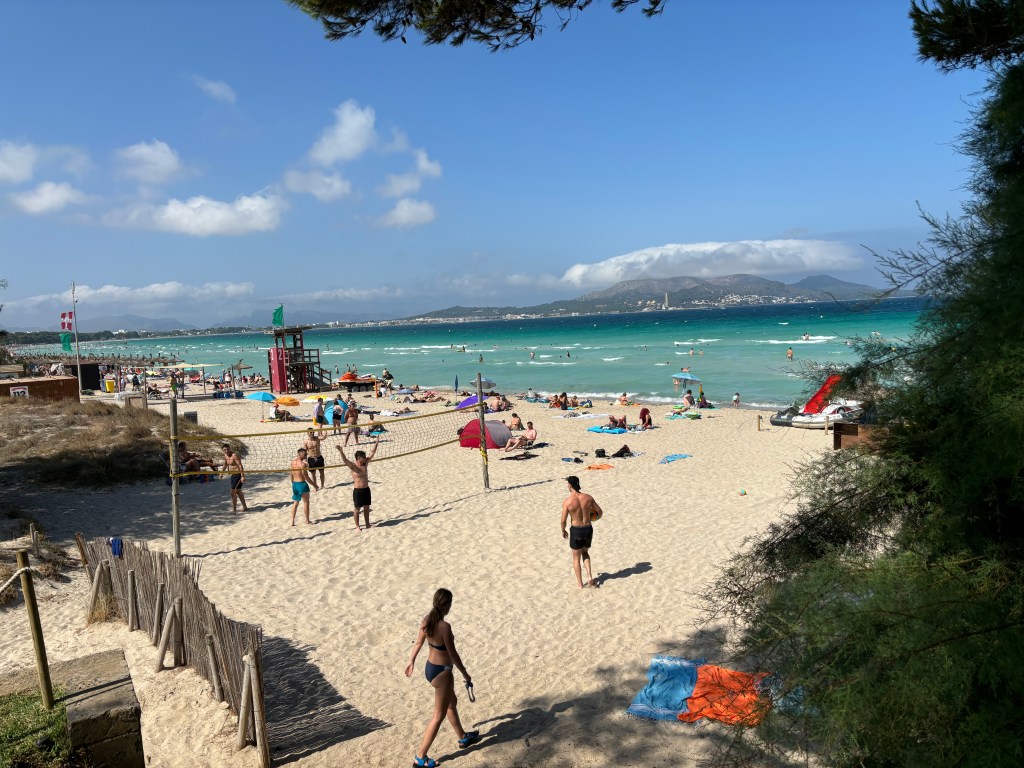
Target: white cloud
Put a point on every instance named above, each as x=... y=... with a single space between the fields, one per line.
x=400 y=185
x=347 y=294
x=759 y=257
x=408 y=213
x=399 y=141
x=121 y=298
x=48 y=197
x=323 y=186
x=151 y=163
x=350 y=136
x=17 y=162
x=202 y=216
x=217 y=90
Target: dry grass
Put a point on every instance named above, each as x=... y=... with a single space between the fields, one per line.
x=93 y=444
x=50 y=565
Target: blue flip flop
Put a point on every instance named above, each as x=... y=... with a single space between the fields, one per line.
x=471 y=737
x=423 y=762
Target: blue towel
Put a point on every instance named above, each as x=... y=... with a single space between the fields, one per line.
x=116 y=547
x=607 y=430
x=670 y=682
x=674 y=457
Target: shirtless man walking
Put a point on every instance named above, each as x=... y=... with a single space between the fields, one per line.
x=360 y=482
x=233 y=464
x=581 y=509
x=352 y=420
x=300 y=484
x=314 y=458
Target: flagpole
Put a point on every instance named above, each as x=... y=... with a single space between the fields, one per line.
x=78 y=355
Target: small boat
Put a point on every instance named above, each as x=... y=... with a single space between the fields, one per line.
x=844 y=412
x=783 y=418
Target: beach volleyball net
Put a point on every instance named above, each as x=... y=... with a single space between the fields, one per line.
x=269 y=452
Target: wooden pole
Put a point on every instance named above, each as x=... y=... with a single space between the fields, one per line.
x=483 y=428
x=172 y=460
x=35 y=540
x=759 y=422
x=42 y=666
x=81 y=550
x=97 y=580
x=246 y=706
x=218 y=694
x=257 y=709
x=133 y=611
x=158 y=613
x=165 y=638
x=179 y=634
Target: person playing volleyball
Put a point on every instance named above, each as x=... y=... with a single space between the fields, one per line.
x=582 y=510
x=361 y=497
x=441 y=659
x=300 y=484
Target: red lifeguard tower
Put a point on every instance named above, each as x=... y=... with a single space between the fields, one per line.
x=293 y=368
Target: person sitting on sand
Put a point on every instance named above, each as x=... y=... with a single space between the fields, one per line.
x=645 y=419
x=703 y=402
x=616 y=423
x=191 y=462
x=574 y=402
x=515 y=422
x=524 y=440
x=623 y=400
x=688 y=399
x=277 y=413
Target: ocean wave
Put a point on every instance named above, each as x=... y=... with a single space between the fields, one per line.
x=610 y=359
x=548 y=362
x=811 y=340
x=707 y=341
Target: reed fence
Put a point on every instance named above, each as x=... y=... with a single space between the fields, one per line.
x=146 y=587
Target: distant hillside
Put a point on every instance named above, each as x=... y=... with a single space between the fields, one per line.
x=683 y=293
x=130 y=323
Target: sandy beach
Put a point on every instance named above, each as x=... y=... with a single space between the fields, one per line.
x=554 y=666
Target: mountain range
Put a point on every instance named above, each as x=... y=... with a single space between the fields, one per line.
x=684 y=293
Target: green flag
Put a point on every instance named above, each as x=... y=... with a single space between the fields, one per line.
x=65 y=342
x=279 y=315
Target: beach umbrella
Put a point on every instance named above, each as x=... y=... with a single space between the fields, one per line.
x=468 y=402
x=329 y=410
x=263 y=397
x=405 y=391
x=287 y=401
x=487 y=384
x=313 y=398
x=688 y=378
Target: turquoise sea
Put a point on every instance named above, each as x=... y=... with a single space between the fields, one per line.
x=744 y=349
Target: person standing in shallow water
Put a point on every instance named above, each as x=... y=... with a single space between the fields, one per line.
x=580 y=508
x=442 y=658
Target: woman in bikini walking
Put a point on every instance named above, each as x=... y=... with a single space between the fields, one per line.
x=441 y=658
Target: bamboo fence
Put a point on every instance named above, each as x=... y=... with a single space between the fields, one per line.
x=221 y=663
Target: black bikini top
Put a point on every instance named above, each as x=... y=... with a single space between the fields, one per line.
x=437 y=647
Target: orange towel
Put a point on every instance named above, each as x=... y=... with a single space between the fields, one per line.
x=727 y=696
x=600 y=466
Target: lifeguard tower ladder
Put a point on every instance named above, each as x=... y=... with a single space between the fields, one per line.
x=293 y=367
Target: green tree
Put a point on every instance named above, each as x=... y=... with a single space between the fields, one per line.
x=891 y=603
x=497 y=25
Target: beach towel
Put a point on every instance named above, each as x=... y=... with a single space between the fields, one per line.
x=685 y=690
x=670 y=682
x=673 y=416
x=600 y=466
x=674 y=457
x=116 y=547
x=726 y=695
x=607 y=430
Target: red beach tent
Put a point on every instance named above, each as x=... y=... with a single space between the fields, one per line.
x=497 y=434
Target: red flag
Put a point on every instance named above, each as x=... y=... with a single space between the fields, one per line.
x=65 y=320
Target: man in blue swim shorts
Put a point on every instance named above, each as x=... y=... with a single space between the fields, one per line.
x=300 y=484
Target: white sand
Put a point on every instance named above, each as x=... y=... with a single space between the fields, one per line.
x=554 y=666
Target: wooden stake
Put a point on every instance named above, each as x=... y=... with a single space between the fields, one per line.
x=158 y=613
x=133 y=611
x=97 y=580
x=759 y=422
x=257 y=710
x=246 y=706
x=81 y=549
x=179 y=634
x=218 y=694
x=42 y=666
x=35 y=540
x=165 y=638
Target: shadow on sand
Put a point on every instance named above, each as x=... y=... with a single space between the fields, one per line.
x=305 y=714
x=625 y=573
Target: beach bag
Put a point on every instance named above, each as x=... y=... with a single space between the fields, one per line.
x=600 y=453
x=622 y=453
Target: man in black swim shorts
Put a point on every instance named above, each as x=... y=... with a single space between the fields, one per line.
x=581 y=509
x=360 y=482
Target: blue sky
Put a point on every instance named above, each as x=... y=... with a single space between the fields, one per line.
x=206 y=160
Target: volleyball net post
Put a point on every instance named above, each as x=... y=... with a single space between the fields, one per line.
x=482 y=409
